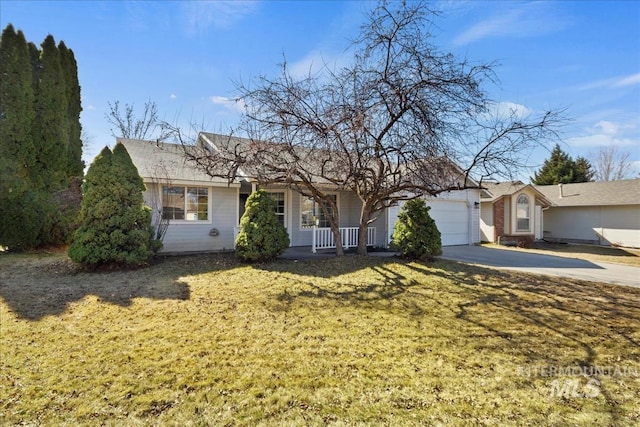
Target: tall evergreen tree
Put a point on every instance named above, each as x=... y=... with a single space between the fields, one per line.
x=20 y=205
x=557 y=169
x=34 y=58
x=51 y=118
x=116 y=226
x=16 y=104
x=40 y=146
x=583 y=170
x=75 y=166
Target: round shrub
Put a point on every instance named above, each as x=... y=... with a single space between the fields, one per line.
x=261 y=236
x=416 y=235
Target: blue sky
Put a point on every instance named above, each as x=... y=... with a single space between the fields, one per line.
x=185 y=56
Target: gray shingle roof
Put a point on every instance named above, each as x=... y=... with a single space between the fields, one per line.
x=609 y=193
x=496 y=190
x=157 y=161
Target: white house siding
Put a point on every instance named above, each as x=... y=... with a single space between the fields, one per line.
x=606 y=225
x=185 y=236
x=487 y=228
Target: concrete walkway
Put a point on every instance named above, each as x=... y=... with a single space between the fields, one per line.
x=545 y=264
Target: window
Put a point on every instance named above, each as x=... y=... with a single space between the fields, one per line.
x=312 y=212
x=279 y=199
x=523 y=214
x=185 y=203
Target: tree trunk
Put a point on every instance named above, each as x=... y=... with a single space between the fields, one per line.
x=335 y=229
x=334 y=220
x=365 y=215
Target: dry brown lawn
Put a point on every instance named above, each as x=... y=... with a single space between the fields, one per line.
x=204 y=340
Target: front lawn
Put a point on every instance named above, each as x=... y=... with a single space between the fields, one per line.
x=203 y=340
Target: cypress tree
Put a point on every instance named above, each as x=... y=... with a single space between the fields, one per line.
x=75 y=166
x=21 y=207
x=40 y=146
x=34 y=58
x=115 y=225
x=51 y=118
x=16 y=104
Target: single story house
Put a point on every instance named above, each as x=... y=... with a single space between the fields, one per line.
x=511 y=211
x=601 y=213
x=203 y=213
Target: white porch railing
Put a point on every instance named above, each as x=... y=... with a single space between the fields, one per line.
x=323 y=238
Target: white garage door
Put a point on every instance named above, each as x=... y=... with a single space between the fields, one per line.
x=451 y=217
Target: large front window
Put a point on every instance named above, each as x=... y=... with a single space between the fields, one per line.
x=185 y=203
x=312 y=213
x=523 y=214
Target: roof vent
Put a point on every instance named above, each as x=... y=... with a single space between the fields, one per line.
x=560 y=190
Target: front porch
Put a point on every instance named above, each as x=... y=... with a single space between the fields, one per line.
x=323 y=238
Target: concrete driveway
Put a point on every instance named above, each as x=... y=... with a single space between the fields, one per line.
x=545 y=264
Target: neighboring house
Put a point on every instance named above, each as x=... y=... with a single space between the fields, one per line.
x=601 y=213
x=604 y=213
x=204 y=212
x=511 y=212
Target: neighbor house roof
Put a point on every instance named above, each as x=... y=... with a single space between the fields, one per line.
x=608 y=193
x=163 y=162
x=496 y=190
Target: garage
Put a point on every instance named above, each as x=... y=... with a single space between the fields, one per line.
x=451 y=217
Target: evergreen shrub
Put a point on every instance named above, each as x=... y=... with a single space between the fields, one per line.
x=416 y=235
x=261 y=236
x=115 y=225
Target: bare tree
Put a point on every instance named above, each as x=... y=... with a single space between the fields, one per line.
x=127 y=125
x=387 y=127
x=612 y=164
x=160 y=177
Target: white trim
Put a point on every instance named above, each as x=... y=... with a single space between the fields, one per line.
x=515 y=213
x=209 y=219
x=287 y=212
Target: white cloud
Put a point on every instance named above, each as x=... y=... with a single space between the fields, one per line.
x=315 y=62
x=200 y=15
x=173 y=96
x=236 y=105
x=525 y=20
x=606 y=133
x=506 y=109
x=614 y=82
x=633 y=79
x=90 y=107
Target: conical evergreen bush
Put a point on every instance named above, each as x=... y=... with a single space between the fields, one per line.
x=416 y=235
x=115 y=225
x=261 y=236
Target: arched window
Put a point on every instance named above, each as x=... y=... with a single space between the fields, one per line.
x=523 y=214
